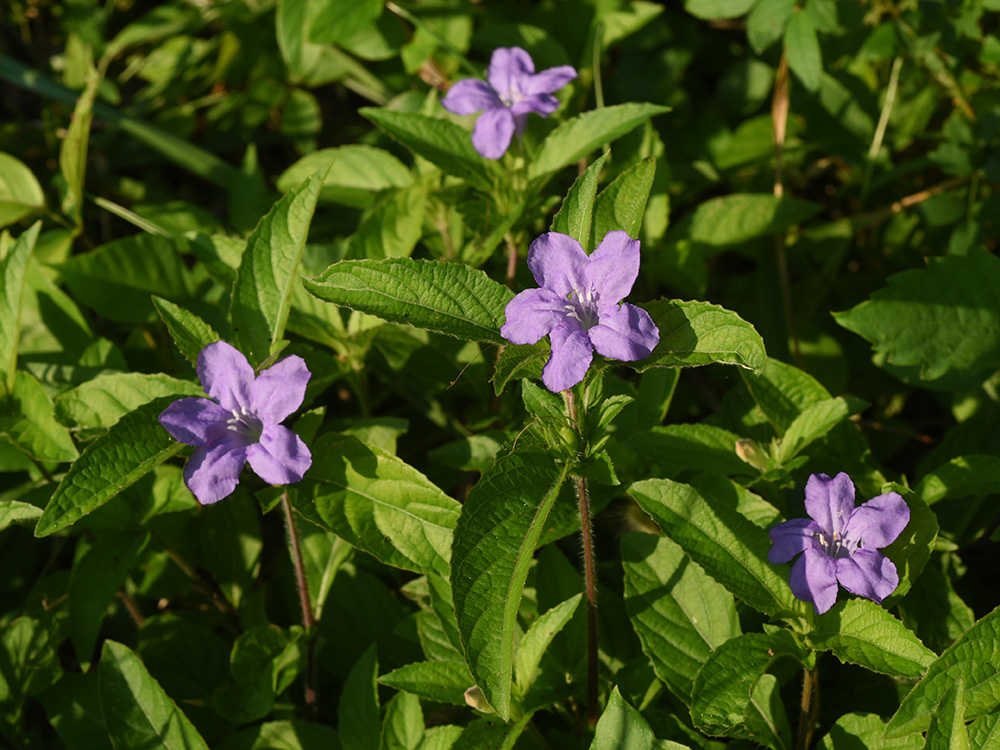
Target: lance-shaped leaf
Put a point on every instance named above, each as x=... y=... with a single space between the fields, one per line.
x=190 y=333
x=538 y=638
x=358 y=712
x=863 y=731
x=73 y=153
x=442 y=681
x=622 y=203
x=726 y=545
x=912 y=548
x=133 y=447
x=14 y=511
x=733 y=219
x=861 y=632
x=379 y=504
x=27 y=419
x=137 y=712
x=12 y=275
x=975 y=658
x=104 y=400
x=442 y=297
x=702 y=447
x=358 y=173
x=269 y=270
x=520 y=361
x=700 y=333
x=501 y=522
x=947 y=730
x=723 y=687
x=577 y=211
x=964 y=476
x=621 y=726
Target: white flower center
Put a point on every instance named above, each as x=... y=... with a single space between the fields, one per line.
x=835 y=546
x=583 y=307
x=246 y=424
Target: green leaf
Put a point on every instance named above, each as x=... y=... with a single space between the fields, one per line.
x=73 y=707
x=520 y=361
x=13 y=268
x=700 y=333
x=723 y=687
x=73 y=152
x=783 y=392
x=578 y=136
x=336 y=22
x=711 y=10
x=442 y=681
x=269 y=270
x=944 y=318
x=622 y=203
x=726 y=545
x=766 y=22
x=403 y=726
x=20 y=193
x=137 y=712
x=813 y=423
x=107 y=398
x=861 y=632
x=284 y=735
x=442 y=297
x=983 y=732
x=357 y=173
x=322 y=555
x=679 y=613
x=965 y=476
x=856 y=731
x=501 y=522
x=680 y=447
x=27 y=419
x=446 y=145
x=912 y=548
x=393 y=228
x=538 y=638
x=577 y=211
x=732 y=219
x=947 y=730
x=621 y=726
x=134 y=446
x=358 y=713
x=974 y=658
x=379 y=504
x=13 y=511
x=804 y=56
x=190 y=333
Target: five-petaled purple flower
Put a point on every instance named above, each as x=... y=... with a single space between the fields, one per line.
x=513 y=91
x=577 y=306
x=241 y=424
x=839 y=543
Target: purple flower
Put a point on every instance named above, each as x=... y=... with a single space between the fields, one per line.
x=578 y=306
x=512 y=92
x=840 y=543
x=241 y=423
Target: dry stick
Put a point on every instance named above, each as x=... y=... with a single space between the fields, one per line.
x=881 y=214
x=779 y=122
x=307 y=613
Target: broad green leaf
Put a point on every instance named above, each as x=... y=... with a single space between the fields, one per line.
x=679 y=613
x=393 y=227
x=133 y=447
x=727 y=546
x=947 y=730
x=983 y=732
x=766 y=720
x=442 y=737
x=446 y=145
x=944 y=318
x=13 y=511
x=95 y=579
x=107 y=398
x=622 y=203
x=357 y=174
x=379 y=504
x=137 y=712
x=861 y=632
x=680 y=447
x=20 y=193
x=577 y=137
x=118 y=278
x=627 y=20
x=73 y=153
x=73 y=707
x=520 y=361
x=577 y=212
x=501 y=522
x=442 y=681
x=269 y=270
x=732 y=219
x=975 y=658
x=813 y=423
x=804 y=56
x=783 y=392
x=965 y=476
x=700 y=333
x=766 y=22
x=442 y=297
x=621 y=726
x=27 y=419
x=856 y=731
x=337 y=21
x=538 y=638
x=403 y=725
x=723 y=686
x=358 y=713
x=190 y=333
x=13 y=271
x=912 y=548
x=711 y=10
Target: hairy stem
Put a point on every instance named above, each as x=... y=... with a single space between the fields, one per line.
x=308 y=621
x=809 y=708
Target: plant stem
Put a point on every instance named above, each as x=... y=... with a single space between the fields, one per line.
x=809 y=708
x=308 y=621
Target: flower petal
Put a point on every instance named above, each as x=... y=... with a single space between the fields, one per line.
x=572 y=354
x=792 y=537
x=543 y=104
x=531 y=315
x=280 y=457
x=814 y=579
x=558 y=262
x=492 y=133
x=195 y=421
x=868 y=573
x=225 y=375
x=878 y=522
x=549 y=80
x=830 y=502
x=625 y=333
x=279 y=390
x=213 y=471
x=509 y=67
x=470 y=95
x=613 y=267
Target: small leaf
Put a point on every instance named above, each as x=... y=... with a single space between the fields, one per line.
x=712 y=10
x=814 y=422
x=732 y=219
x=336 y=22
x=393 y=228
x=105 y=399
x=73 y=152
x=680 y=447
x=964 y=476
x=13 y=268
x=804 y=56
x=190 y=333
x=577 y=212
x=27 y=419
x=621 y=726
x=358 y=721
x=622 y=203
x=767 y=21
x=537 y=639
x=520 y=362
x=358 y=173
x=403 y=725
x=863 y=731
x=20 y=193
x=443 y=681
x=12 y=511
